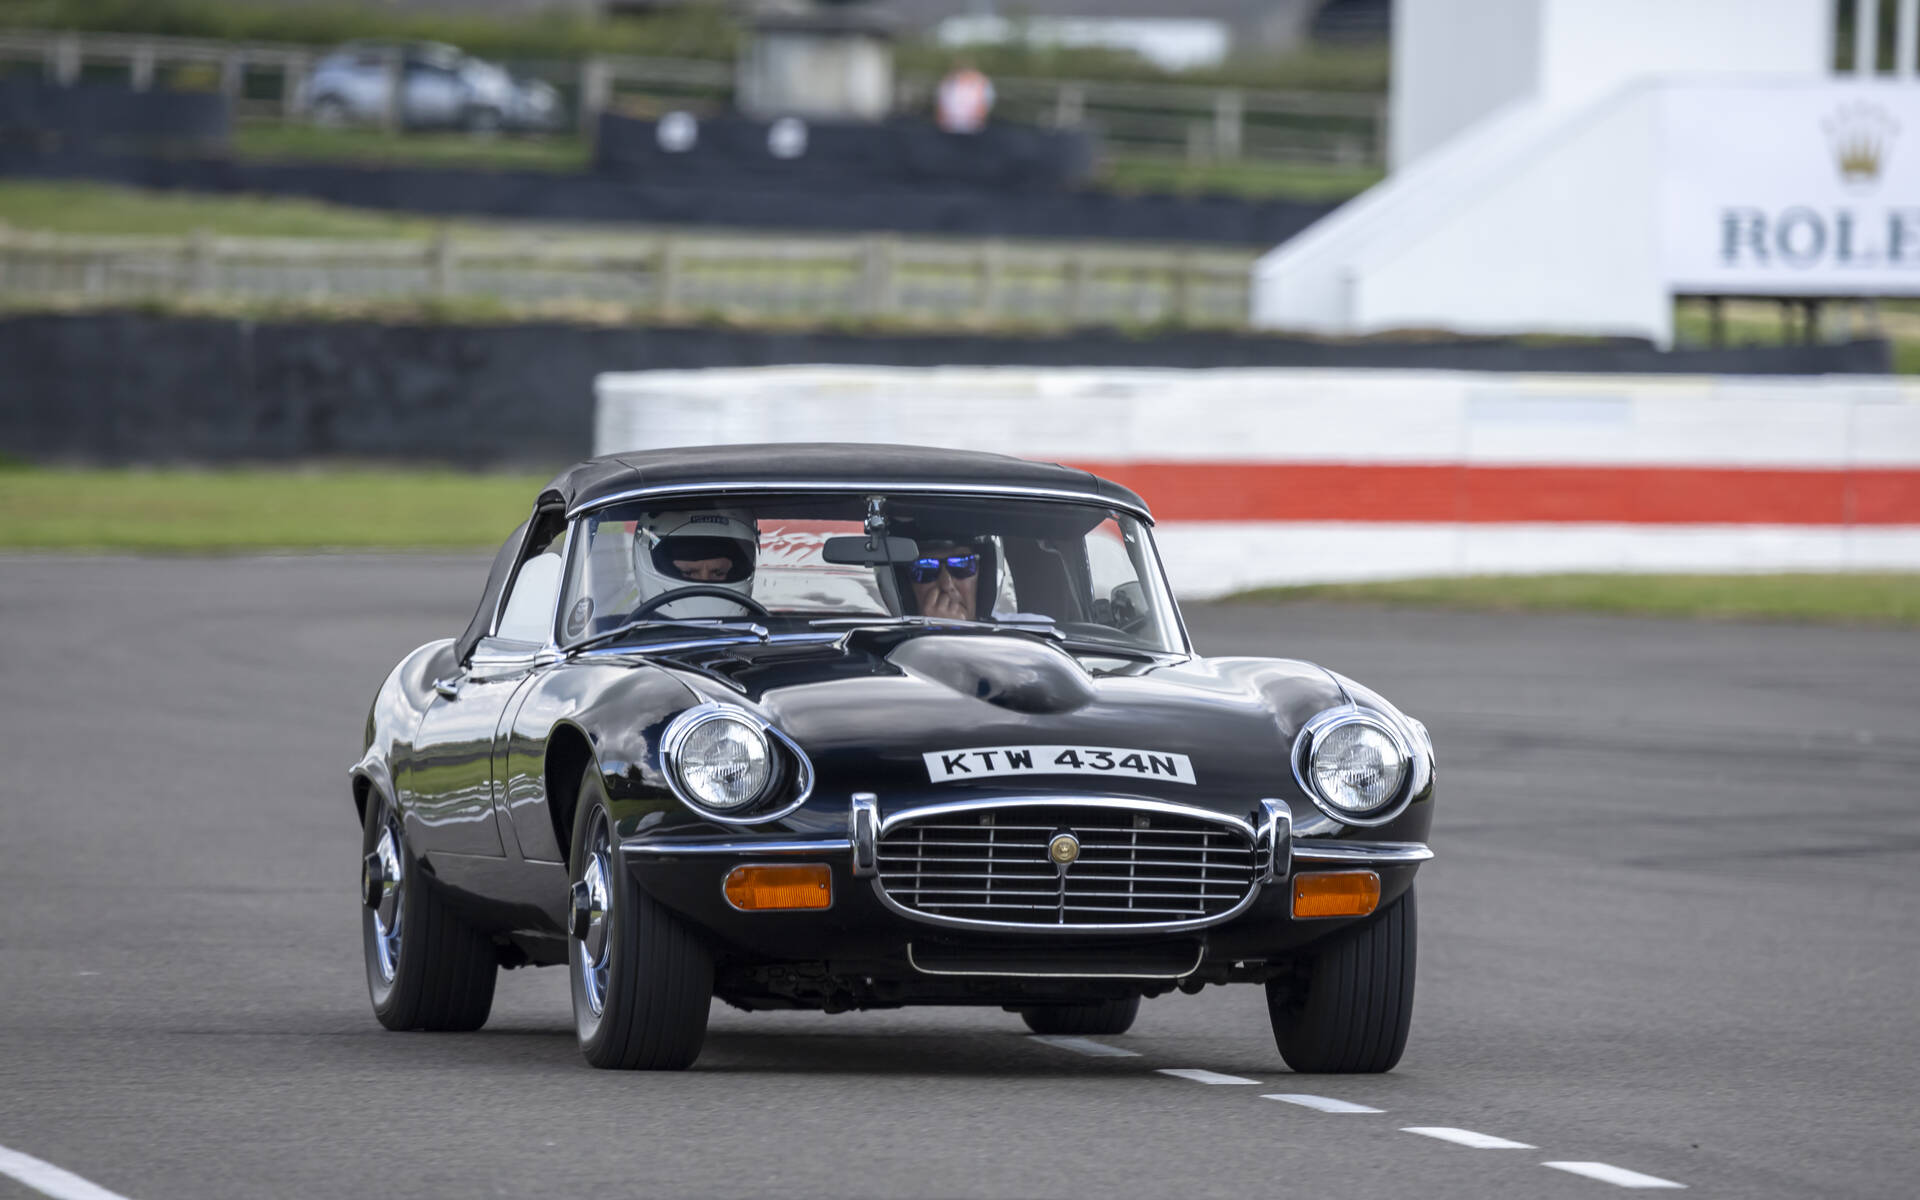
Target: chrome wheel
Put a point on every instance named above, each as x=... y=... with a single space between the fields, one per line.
x=593 y=916
x=390 y=910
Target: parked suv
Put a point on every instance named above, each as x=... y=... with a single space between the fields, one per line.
x=441 y=87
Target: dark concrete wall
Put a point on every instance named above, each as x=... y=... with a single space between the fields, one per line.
x=129 y=387
x=843 y=156
x=41 y=114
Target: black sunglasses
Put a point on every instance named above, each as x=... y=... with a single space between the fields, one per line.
x=960 y=566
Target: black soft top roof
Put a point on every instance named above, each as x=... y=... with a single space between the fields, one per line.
x=816 y=464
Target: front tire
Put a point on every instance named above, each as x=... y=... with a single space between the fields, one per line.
x=425 y=968
x=1347 y=1008
x=1100 y=1017
x=642 y=982
x=330 y=112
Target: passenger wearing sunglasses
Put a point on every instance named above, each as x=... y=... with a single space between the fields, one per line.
x=945 y=579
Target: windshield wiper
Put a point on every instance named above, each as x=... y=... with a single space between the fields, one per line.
x=1041 y=628
x=1096 y=646
x=718 y=625
x=1044 y=629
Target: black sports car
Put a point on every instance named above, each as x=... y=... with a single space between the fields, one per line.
x=842 y=727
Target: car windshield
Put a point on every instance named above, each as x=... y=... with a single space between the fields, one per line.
x=1080 y=573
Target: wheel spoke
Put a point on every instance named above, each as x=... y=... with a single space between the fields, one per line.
x=390 y=913
x=595 y=945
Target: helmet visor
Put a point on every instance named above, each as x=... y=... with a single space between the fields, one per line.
x=703 y=559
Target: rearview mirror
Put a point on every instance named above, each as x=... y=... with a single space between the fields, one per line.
x=863 y=550
x=1128 y=603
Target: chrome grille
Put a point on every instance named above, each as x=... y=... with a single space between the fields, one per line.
x=1134 y=867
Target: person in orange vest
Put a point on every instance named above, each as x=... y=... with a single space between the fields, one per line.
x=964 y=100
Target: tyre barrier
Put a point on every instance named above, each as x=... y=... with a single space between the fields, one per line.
x=840 y=155
x=1266 y=477
x=38 y=114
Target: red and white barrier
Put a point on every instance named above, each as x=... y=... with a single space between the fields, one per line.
x=1283 y=476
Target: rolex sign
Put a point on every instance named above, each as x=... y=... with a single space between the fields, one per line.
x=1792 y=189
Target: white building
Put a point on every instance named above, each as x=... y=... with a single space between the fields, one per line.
x=1571 y=166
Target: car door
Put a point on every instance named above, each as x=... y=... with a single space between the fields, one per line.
x=451 y=780
x=364 y=82
x=434 y=95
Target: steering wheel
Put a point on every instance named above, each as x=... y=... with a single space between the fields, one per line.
x=699 y=589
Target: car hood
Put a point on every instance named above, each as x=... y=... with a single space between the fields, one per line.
x=920 y=716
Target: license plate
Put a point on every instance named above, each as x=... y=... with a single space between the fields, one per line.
x=985 y=762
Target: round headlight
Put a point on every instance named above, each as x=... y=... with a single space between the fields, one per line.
x=723 y=762
x=1356 y=767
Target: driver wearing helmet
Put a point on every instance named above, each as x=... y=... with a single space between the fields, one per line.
x=715 y=549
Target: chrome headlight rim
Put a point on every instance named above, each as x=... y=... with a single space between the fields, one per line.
x=673 y=740
x=1335 y=718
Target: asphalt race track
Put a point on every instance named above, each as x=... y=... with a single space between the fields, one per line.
x=1673 y=929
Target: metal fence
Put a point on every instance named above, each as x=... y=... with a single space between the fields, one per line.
x=666 y=274
x=262 y=79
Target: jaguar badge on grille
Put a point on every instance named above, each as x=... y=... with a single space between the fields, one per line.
x=1064 y=848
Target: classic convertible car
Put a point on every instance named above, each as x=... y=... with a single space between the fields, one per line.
x=848 y=727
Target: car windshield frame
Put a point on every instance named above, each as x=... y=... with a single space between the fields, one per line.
x=1150 y=569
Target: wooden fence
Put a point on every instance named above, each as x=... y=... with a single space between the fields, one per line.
x=925 y=280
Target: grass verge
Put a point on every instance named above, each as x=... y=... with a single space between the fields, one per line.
x=1256 y=179
x=296 y=140
x=699 y=30
x=1251 y=179
x=1759 y=323
x=97 y=208
x=1890 y=598
x=245 y=511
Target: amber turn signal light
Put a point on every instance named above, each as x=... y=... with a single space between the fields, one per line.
x=805 y=885
x=1335 y=894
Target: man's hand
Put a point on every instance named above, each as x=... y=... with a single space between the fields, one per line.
x=949 y=598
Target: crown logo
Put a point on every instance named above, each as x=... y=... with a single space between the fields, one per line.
x=1861 y=135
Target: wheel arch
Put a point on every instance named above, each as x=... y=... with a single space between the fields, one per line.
x=569 y=752
x=369 y=776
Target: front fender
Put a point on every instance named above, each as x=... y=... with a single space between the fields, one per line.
x=1295 y=692
x=615 y=709
x=393 y=717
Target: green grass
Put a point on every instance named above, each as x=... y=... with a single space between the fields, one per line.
x=1125 y=173
x=94 y=208
x=297 y=140
x=1313 y=68
x=698 y=30
x=1253 y=179
x=1863 y=599
x=198 y=512
x=177 y=511
x=1758 y=323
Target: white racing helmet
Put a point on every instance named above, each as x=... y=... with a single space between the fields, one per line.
x=715 y=548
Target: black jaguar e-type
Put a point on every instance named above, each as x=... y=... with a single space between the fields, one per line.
x=841 y=727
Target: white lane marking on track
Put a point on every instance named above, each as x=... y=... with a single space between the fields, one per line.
x=1080 y=1045
x=1325 y=1104
x=1619 y=1176
x=1199 y=1076
x=53 y=1181
x=1467 y=1137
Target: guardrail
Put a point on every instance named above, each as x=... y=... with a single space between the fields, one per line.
x=262 y=79
x=665 y=274
x=64 y=55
